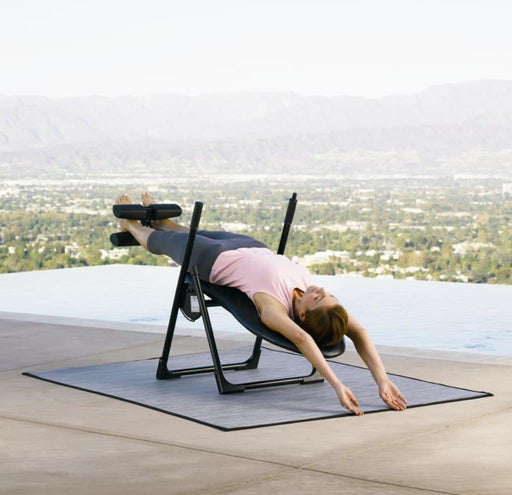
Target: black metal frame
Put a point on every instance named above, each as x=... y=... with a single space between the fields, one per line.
x=224 y=386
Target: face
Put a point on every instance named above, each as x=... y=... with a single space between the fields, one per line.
x=315 y=297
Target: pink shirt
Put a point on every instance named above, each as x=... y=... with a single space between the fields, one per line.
x=258 y=269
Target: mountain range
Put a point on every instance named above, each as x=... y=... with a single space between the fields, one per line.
x=464 y=127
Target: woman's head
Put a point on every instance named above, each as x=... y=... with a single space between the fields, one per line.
x=321 y=315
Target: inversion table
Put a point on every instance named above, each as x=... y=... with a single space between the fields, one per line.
x=190 y=299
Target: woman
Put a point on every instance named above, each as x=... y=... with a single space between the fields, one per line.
x=282 y=291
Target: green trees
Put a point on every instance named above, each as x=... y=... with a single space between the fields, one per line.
x=383 y=226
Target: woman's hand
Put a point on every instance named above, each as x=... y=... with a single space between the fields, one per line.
x=390 y=394
x=347 y=399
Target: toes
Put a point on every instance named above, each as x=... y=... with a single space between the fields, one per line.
x=147 y=199
x=123 y=199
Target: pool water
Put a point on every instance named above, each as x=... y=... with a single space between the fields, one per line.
x=410 y=313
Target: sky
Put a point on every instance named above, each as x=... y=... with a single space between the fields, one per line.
x=360 y=48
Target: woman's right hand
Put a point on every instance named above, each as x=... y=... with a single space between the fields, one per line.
x=347 y=399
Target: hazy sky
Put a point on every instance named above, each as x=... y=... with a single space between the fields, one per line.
x=364 y=47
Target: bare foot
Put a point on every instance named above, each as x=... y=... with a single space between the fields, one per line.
x=138 y=231
x=166 y=223
x=147 y=199
x=124 y=223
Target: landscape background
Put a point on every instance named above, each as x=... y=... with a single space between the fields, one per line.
x=413 y=186
x=463 y=128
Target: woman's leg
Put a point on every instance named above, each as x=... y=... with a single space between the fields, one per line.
x=204 y=252
x=171 y=239
x=173 y=243
x=168 y=225
x=221 y=234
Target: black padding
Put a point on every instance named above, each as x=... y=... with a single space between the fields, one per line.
x=123 y=239
x=243 y=309
x=166 y=211
x=132 y=212
x=151 y=212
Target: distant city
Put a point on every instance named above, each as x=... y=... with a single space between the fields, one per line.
x=405 y=186
x=454 y=228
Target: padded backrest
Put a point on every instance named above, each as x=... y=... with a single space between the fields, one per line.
x=243 y=309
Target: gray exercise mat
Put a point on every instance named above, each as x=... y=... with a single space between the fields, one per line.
x=196 y=397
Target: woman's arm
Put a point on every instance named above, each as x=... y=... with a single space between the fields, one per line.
x=279 y=321
x=388 y=391
x=366 y=349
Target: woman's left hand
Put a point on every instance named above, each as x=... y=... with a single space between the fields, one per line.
x=390 y=394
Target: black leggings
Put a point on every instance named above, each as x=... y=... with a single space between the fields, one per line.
x=208 y=244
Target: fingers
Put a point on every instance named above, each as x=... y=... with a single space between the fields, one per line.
x=392 y=402
x=397 y=405
x=399 y=397
x=358 y=411
x=353 y=399
x=392 y=397
x=400 y=400
x=355 y=410
x=350 y=407
x=347 y=400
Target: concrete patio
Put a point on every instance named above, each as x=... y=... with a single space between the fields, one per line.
x=57 y=439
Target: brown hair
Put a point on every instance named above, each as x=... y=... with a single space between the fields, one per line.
x=326 y=326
